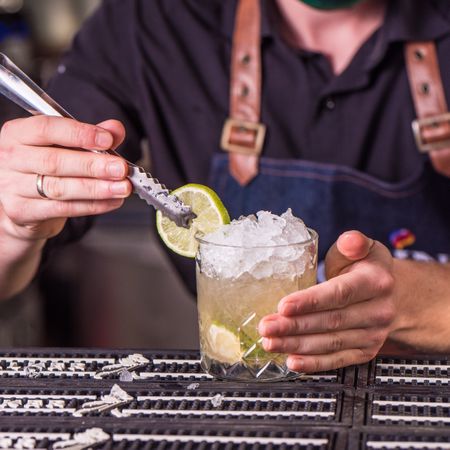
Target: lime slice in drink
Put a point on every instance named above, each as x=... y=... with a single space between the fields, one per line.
x=211 y=214
x=223 y=344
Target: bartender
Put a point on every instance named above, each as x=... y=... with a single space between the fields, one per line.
x=305 y=104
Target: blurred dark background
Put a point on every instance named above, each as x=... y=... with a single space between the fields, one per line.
x=115 y=288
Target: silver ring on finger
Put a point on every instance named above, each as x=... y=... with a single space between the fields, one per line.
x=40 y=186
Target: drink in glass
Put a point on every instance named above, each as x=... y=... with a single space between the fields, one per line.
x=243 y=271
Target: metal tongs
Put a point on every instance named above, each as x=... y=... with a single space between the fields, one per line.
x=19 y=88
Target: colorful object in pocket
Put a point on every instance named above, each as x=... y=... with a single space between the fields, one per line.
x=402 y=238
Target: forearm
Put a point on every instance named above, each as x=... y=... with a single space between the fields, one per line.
x=422 y=299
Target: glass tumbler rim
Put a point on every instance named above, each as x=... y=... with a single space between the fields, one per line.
x=313 y=237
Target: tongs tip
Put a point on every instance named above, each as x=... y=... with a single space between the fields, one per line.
x=186 y=219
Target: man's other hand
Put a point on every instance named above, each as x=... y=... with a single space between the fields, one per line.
x=342 y=321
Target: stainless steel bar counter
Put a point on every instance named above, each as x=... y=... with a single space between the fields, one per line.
x=133 y=399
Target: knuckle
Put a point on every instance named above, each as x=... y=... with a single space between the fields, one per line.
x=385 y=314
x=7 y=145
x=76 y=208
x=54 y=187
x=100 y=190
x=7 y=149
x=62 y=209
x=43 y=127
x=304 y=325
x=286 y=326
x=314 y=303
x=281 y=345
x=377 y=339
x=92 y=207
x=51 y=162
x=298 y=326
x=299 y=346
x=109 y=205
x=336 y=342
x=366 y=355
x=269 y=344
x=335 y=320
x=385 y=282
x=343 y=293
x=14 y=211
x=7 y=130
x=340 y=361
x=89 y=188
x=91 y=167
x=83 y=135
x=316 y=365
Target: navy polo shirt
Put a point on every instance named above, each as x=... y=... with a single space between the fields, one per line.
x=162 y=68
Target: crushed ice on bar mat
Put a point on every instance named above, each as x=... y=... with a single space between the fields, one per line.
x=126 y=376
x=116 y=397
x=117 y=394
x=193 y=386
x=217 y=400
x=91 y=436
x=273 y=236
x=33 y=370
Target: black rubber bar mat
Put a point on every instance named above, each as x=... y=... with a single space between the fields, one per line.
x=131 y=399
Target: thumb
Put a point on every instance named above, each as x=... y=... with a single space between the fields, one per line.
x=351 y=246
x=116 y=129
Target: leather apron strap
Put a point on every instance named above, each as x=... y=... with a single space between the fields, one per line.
x=243 y=134
x=432 y=126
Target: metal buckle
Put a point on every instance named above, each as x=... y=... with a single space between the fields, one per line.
x=230 y=123
x=430 y=121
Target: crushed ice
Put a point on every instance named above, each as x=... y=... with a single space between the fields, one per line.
x=119 y=414
x=33 y=370
x=91 y=436
x=262 y=245
x=25 y=443
x=116 y=398
x=126 y=376
x=193 y=386
x=116 y=395
x=217 y=400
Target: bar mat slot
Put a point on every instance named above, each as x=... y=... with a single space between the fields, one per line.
x=184 y=366
x=410 y=410
x=416 y=372
x=257 y=406
x=399 y=441
x=175 y=438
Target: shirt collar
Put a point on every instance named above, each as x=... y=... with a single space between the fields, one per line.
x=408 y=20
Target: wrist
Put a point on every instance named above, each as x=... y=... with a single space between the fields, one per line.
x=16 y=244
x=422 y=301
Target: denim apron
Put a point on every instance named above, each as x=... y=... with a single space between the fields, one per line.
x=411 y=217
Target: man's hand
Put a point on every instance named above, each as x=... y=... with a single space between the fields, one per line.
x=78 y=183
x=342 y=321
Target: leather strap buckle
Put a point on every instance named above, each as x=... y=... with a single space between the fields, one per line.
x=433 y=122
x=241 y=136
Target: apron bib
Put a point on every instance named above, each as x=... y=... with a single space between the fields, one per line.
x=332 y=199
x=411 y=217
